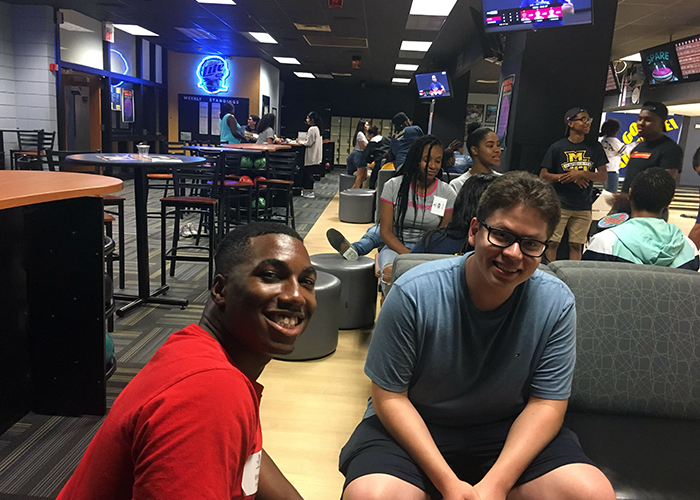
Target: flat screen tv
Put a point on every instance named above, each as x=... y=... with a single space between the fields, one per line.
x=515 y=15
x=660 y=64
x=433 y=85
x=688 y=55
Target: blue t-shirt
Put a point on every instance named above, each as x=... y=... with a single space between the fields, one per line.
x=461 y=365
x=402 y=142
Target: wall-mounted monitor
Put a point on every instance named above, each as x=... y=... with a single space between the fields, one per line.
x=688 y=54
x=433 y=85
x=612 y=84
x=660 y=64
x=515 y=15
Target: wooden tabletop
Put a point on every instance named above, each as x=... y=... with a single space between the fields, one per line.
x=26 y=187
x=257 y=147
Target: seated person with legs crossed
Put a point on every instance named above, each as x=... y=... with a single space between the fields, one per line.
x=471 y=364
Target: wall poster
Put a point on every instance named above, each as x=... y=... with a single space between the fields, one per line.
x=505 y=97
x=127 y=106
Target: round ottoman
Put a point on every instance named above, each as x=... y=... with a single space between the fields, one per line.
x=356 y=205
x=321 y=335
x=358 y=297
x=346 y=182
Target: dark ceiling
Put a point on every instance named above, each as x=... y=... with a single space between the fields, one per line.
x=384 y=23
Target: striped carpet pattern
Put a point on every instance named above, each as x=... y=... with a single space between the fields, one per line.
x=39 y=453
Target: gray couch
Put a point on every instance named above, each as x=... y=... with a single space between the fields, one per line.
x=635 y=401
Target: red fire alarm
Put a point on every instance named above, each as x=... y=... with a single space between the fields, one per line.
x=53 y=67
x=335 y=4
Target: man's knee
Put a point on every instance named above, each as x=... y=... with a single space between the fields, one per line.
x=570 y=482
x=382 y=487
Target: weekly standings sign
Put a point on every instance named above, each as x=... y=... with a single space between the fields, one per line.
x=629 y=133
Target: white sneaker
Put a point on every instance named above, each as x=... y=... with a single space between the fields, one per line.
x=305 y=193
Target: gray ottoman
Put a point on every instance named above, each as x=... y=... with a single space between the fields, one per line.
x=356 y=205
x=346 y=182
x=321 y=336
x=358 y=297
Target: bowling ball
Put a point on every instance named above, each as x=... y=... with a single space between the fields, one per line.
x=259 y=203
x=259 y=163
x=246 y=162
x=259 y=178
x=245 y=178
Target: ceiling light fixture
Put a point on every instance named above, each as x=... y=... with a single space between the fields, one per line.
x=487 y=81
x=135 y=29
x=406 y=67
x=432 y=7
x=262 y=37
x=219 y=2
x=341 y=74
x=324 y=75
x=312 y=27
x=415 y=46
x=74 y=27
x=633 y=58
x=302 y=74
x=287 y=60
x=401 y=81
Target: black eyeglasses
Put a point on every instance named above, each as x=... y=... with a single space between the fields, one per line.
x=587 y=119
x=503 y=239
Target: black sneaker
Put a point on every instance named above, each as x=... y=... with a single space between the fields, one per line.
x=343 y=246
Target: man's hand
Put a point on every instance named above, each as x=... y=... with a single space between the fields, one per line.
x=488 y=491
x=572 y=176
x=461 y=491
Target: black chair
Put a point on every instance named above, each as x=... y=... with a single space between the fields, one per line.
x=32 y=145
x=114 y=204
x=196 y=190
x=280 y=169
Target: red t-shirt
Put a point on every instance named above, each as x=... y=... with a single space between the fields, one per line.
x=186 y=427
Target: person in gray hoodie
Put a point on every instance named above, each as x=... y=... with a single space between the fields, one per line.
x=646 y=238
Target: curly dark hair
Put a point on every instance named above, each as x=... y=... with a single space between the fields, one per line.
x=464 y=211
x=410 y=174
x=267 y=121
x=652 y=190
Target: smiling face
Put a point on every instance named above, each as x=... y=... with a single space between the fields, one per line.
x=366 y=127
x=488 y=151
x=251 y=123
x=431 y=164
x=502 y=269
x=581 y=123
x=434 y=79
x=268 y=299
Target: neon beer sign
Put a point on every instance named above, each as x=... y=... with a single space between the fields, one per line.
x=212 y=73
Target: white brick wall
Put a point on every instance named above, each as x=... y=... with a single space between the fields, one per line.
x=27 y=87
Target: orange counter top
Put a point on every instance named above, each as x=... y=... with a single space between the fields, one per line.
x=24 y=187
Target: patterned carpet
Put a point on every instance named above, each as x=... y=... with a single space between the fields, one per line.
x=39 y=453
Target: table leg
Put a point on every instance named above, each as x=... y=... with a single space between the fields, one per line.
x=145 y=296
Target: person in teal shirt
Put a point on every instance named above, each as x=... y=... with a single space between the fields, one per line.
x=229 y=129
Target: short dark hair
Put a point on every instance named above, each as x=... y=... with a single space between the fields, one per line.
x=317 y=120
x=521 y=188
x=374 y=130
x=255 y=118
x=696 y=158
x=610 y=128
x=447 y=155
x=652 y=190
x=235 y=247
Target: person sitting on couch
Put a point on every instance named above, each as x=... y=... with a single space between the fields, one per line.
x=646 y=238
x=471 y=364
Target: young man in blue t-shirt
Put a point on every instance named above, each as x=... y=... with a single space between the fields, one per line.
x=471 y=364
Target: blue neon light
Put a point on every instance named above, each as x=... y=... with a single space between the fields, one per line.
x=126 y=65
x=212 y=73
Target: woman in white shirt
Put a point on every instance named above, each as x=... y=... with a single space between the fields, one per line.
x=356 y=162
x=314 y=153
x=614 y=150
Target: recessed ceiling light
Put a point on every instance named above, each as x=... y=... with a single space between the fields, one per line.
x=197 y=33
x=302 y=74
x=341 y=74
x=287 y=60
x=220 y=2
x=262 y=37
x=415 y=46
x=135 y=29
x=324 y=75
x=406 y=67
x=402 y=81
x=633 y=58
x=313 y=27
x=74 y=27
x=432 y=7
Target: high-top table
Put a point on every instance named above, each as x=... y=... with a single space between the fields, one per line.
x=52 y=309
x=140 y=165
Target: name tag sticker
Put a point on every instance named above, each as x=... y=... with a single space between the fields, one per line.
x=439 y=206
x=251 y=473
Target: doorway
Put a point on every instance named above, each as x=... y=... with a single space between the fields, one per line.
x=82 y=117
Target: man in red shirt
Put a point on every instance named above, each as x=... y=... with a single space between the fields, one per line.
x=187 y=426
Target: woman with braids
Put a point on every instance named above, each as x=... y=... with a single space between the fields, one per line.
x=453 y=238
x=413 y=203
